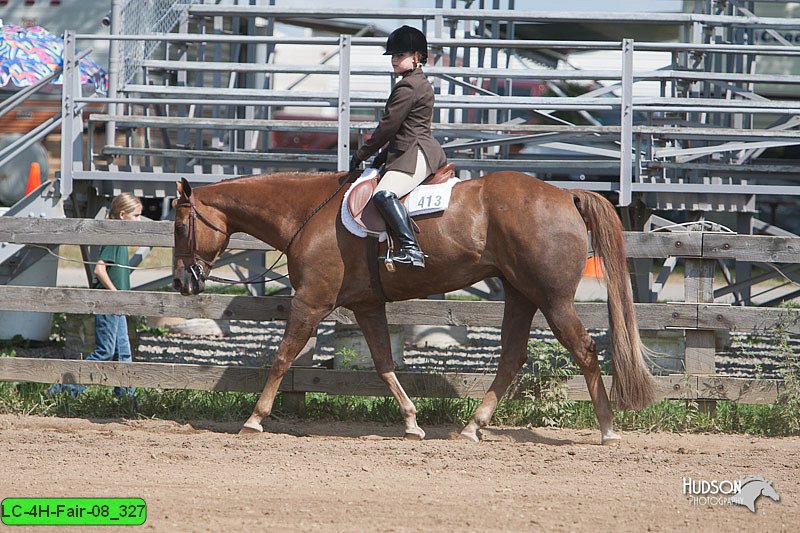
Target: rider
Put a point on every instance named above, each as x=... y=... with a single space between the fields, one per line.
x=412 y=153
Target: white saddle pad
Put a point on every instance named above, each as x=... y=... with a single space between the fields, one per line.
x=423 y=200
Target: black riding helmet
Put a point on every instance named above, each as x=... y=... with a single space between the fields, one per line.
x=407 y=39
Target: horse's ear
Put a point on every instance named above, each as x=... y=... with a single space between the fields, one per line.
x=184 y=189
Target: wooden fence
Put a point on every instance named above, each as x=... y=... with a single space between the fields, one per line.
x=698 y=316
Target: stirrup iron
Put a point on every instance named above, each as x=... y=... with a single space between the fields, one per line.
x=388 y=262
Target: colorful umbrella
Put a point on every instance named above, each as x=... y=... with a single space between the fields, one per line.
x=29 y=54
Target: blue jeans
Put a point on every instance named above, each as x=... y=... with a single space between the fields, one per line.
x=111 y=339
x=111 y=342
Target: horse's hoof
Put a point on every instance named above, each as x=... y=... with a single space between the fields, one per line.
x=251 y=429
x=611 y=440
x=415 y=434
x=469 y=437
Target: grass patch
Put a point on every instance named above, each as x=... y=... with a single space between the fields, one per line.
x=670 y=415
x=99 y=402
x=17 y=341
x=230 y=290
x=464 y=297
x=777 y=419
x=158 y=257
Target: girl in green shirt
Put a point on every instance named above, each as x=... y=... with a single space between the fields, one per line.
x=112 y=273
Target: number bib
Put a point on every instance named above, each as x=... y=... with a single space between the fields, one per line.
x=430 y=198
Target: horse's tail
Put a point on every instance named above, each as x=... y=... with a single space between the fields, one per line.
x=633 y=387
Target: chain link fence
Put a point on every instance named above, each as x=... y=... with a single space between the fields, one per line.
x=140 y=17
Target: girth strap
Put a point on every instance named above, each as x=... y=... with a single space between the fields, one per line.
x=374 y=270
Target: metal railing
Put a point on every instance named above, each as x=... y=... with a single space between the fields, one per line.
x=629 y=167
x=139 y=18
x=697 y=136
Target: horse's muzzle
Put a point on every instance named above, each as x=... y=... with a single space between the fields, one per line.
x=187 y=281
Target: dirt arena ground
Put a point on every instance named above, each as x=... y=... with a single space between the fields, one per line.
x=332 y=476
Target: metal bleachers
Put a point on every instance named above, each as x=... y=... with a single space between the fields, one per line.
x=208 y=101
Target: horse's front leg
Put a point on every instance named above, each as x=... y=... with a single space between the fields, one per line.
x=303 y=321
x=372 y=321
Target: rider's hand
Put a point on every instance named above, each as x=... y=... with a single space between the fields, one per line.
x=355 y=162
x=380 y=159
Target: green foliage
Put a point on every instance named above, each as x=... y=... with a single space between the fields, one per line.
x=143 y=328
x=232 y=290
x=438 y=411
x=348 y=356
x=356 y=408
x=463 y=297
x=237 y=290
x=195 y=405
x=788 y=403
x=57 y=335
x=225 y=289
x=100 y=402
x=669 y=415
x=17 y=341
x=543 y=384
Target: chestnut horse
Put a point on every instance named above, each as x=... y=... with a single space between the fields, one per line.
x=506 y=224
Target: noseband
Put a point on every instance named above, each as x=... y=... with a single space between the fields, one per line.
x=197 y=269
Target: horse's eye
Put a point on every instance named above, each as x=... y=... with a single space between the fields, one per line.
x=180 y=229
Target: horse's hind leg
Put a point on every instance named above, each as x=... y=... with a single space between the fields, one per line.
x=517 y=316
x=568 y=329
x=372 y=321
x=303 y=321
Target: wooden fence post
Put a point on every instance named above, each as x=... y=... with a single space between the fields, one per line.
x=700 y=348
x=294 y=403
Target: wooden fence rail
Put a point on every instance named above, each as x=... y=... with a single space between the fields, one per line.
x=754 y=248
x=352 y=382
x=422 y=312
x=267 y=308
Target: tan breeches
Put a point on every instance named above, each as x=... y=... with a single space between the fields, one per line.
x=401 y=183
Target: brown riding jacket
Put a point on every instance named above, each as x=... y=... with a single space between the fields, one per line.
x=406 y=125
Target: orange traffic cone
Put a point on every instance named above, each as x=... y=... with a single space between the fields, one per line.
x=594 y=267
x=34 y=178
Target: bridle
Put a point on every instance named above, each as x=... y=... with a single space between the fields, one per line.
x=199 y=265
x=196 y=269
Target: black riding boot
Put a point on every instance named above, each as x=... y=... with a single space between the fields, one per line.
x=396 y=217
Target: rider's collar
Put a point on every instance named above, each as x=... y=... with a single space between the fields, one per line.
x=409 y=72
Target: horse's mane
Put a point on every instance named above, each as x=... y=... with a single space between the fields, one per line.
x=316 y=181
x=280 y=175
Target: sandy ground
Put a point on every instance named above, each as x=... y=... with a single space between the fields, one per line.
x=334 y=476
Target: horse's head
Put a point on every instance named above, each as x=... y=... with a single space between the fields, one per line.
x=200 y=237
x=769 y=491
x=753 y=487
